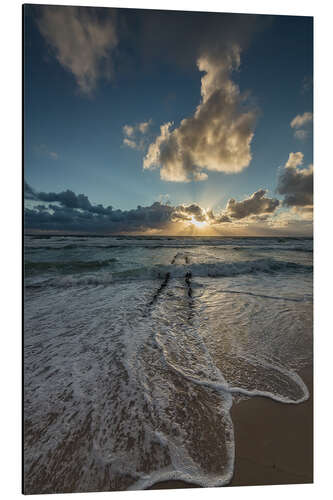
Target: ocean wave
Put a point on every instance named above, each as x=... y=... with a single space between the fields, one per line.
x=154 y=246
x=72 y=242
x=211 y=270
x=218 y=269
x=70 y=246
x=274 y=249
x=63 y=267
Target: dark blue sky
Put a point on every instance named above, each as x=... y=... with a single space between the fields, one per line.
x=74 y=134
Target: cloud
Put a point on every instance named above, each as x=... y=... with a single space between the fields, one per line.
x=76 y=213
x=187 y=212
x=257 y=207
x=82 y=40
x=217 y=137
x=133 y=134
x=131 y=144
x=301 y=121
x=69 y=199
x=301 y=134
x=221 y=219
x=128 y=130
x=143 y=127
x=296 y=183
x=219 y=134
x=66 y=211
x=156 y=216
x=294 y=160
x=256 y=204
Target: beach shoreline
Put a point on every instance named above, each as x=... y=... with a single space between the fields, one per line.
x=273 y=442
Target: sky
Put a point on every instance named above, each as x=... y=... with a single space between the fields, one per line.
x=164 y=122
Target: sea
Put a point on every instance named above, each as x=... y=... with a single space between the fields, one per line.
x=136 y=348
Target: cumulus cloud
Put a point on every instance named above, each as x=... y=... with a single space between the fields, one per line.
x=257 y=207
x=256 y=204
x=69 y=211
x=63 y=218
x=134 y=134
x=82 y=40
x=70 y=200
x=296 y=183
x=219 y=134
x=76 y=213
x=220 y=219
x=301 y=121
x=187 y=212
x=294 y=160
x=258 y=214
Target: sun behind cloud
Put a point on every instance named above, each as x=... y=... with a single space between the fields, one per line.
x=197 y=223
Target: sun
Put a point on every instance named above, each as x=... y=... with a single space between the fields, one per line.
x=199 y=224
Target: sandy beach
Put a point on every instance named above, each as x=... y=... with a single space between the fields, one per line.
x=274 y=442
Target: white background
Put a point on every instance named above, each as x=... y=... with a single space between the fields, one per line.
x=10 y=245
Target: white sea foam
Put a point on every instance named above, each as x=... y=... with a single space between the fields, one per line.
x=130 y=375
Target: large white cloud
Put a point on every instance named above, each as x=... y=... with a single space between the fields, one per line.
x=219 y=134
x=82 y=41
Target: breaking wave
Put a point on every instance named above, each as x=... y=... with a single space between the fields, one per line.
x=70 y=266
x=211 y=270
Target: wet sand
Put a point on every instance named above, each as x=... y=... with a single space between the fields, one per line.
x=274 y=442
